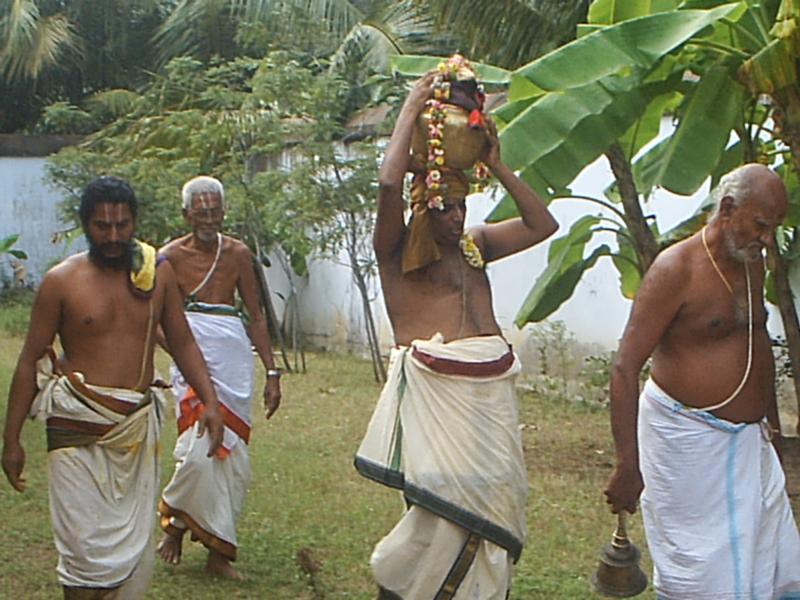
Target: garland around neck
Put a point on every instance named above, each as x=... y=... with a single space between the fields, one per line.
x=471 y=252
x=211 y=270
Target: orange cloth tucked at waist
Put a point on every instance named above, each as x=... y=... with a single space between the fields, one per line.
x=191 y=412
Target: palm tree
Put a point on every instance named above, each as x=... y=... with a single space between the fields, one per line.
x=31 y=43
x=371 y=29
x=508 y=33
x=54 y=50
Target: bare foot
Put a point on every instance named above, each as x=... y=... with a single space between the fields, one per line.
x=217 y=564
x=170 y=547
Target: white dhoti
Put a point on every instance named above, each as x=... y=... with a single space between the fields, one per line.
x=103 y=479
x=716 y=514
x=445 y=432
x=206 y=495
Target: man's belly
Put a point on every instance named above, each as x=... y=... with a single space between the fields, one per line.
x=708 y=380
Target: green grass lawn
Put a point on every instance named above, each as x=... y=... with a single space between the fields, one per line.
x=305 y=494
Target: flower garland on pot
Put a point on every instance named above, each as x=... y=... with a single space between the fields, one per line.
x=435 y=111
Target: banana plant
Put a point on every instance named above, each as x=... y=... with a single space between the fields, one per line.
x=7 y=247
x=710 y=64
x=605 y=94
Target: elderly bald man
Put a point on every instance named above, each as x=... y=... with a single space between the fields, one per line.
x=702 y=437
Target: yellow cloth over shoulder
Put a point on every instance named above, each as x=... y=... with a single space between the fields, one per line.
x=143 y=268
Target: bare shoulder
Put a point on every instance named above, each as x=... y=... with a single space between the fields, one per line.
x=67 y=268
x=476 y=233
x=165 y=273
x=670 y=271
x=238 y=247
x=171 y=249
x=238 y=250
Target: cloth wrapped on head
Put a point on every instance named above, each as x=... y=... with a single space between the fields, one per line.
x=419 y=247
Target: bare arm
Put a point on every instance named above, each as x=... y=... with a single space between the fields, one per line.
x=187 y=356
x=656 y=304
x=258 y=330
x=44 y=323
x=389 y=225
x=535 y=222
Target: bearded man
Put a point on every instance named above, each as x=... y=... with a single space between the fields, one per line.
x=445 y=429
x=703 y=437
x=206 y=497
x=101 y=412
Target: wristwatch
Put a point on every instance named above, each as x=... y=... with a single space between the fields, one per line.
x=273 y=373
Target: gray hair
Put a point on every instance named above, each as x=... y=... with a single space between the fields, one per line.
x=202 y=184
x=735 y=185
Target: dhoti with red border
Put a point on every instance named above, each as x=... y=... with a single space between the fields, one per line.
x=445 y=432
x=206 y=495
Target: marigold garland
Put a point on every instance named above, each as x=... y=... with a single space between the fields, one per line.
x=470 y=250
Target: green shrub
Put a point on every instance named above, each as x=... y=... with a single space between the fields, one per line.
x=15 y=310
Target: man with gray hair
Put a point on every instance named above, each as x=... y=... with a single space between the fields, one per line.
x=206 y=496
x=703 y=438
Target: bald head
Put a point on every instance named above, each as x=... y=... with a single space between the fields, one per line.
x=750 y=183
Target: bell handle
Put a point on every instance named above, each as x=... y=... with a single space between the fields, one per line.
x=620 y=539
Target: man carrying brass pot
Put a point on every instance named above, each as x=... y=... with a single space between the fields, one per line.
x=445 y=427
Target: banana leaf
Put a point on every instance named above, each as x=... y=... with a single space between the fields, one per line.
x=416 y=66
x=7 y=242
x=556 y=137
x=773 y=67
x=731 y=158
x=565 y=267
x=703 y=133
x=636 y=43
x=646 y=128
x=507 y=208
x=627 y=265
x=608 y=12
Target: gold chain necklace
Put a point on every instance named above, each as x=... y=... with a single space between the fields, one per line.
x=714 y=263
x=749 y=366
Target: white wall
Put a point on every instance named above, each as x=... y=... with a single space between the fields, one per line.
x=29 y=207
x=596 y=313
x=330 y=307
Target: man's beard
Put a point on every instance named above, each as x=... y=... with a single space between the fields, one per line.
x=97 y=253
x=207 y=235
x=742 y=255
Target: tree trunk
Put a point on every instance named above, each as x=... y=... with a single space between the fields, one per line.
x=643 y=239
x=787 y=119
x=378 y=370
x=293 y=311
x=791 y=327
x=269 y=311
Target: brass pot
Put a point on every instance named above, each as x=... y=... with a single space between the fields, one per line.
x=462 y=144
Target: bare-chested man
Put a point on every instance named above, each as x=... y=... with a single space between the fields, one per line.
x=207 y=496
x=716 y=514
x=445 y=428
x=102 y=416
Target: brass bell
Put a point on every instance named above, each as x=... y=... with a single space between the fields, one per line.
x=618 y=575
x=462 y=144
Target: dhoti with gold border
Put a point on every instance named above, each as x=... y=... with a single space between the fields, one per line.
x=103 y=479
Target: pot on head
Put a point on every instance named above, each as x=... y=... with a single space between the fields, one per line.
x=462 y=144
